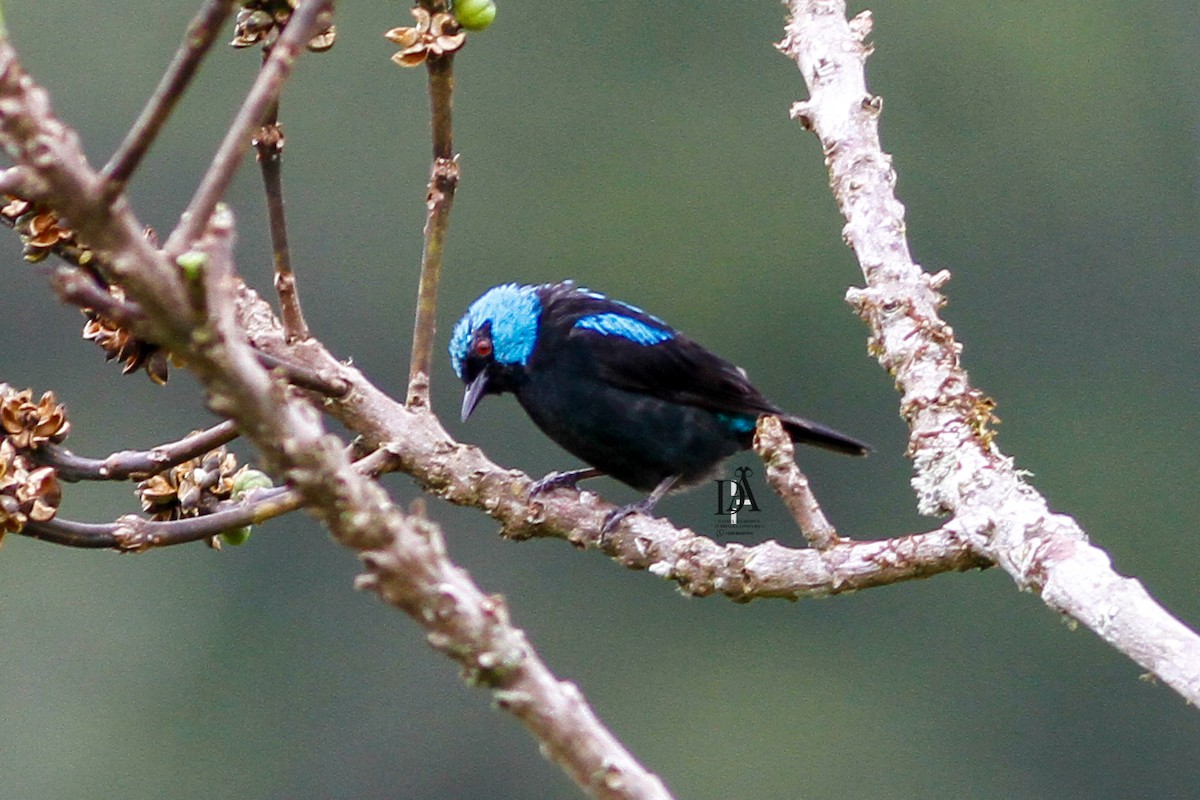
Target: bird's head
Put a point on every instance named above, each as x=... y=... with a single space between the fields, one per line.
x=491 y=344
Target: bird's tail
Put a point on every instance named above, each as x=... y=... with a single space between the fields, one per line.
x=803 y=431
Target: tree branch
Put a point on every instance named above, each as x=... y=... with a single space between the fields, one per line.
x=404 y=555
x=269 y=146
x=775 y=448
x=443 y=180
x=463 y=475
x=134 y=464
x=958 y=467
x=134 y=534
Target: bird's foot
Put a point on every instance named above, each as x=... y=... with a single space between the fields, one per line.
x=562 y=480
x=614 y=517
x=642 y=506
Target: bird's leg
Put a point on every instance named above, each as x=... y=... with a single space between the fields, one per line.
x=563 y=480
x=640 y=507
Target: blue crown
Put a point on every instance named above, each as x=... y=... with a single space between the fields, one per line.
x=513 y=312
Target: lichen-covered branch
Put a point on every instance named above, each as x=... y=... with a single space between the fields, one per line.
x=775 y=448
x=405 y=558
x=462 y=474
x=958 y=468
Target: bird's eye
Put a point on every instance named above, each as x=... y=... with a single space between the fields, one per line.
x=483 y=347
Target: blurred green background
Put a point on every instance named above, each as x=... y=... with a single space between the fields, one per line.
x=1049 y=156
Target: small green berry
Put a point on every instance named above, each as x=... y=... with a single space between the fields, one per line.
x=474 y=15
x=236 y=537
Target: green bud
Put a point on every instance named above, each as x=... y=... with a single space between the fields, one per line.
x=247 y=479
x=192 y=263
x=474 y=15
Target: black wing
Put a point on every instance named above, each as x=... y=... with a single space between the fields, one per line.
x=677 y=369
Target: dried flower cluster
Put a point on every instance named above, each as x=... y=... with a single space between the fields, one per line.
x=27 y=492
x=433 y=35
x=28 y=425
x=119 y=344
x=191 y=489
x=262 y=20
x=43 y=233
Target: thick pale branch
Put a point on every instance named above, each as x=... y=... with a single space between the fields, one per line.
x=406 y=562
x=959 y=469
x=404 y=555
x=463 y=475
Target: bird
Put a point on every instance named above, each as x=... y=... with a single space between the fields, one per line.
x=616 y=387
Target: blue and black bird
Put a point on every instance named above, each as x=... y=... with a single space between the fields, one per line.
x=616 y=387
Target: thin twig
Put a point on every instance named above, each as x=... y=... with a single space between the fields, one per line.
x=137 y=534
x=301 y=376
x=77 y=287
x=81 y=288
x=197 y=41
x=19 y=182
x=303 y=25
x=443 y=180
x=775 y=448
x=269 y=146
x=135 y=464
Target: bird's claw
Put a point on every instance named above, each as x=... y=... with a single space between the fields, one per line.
x=554 y=480
x=613 y=519
x=617 y=515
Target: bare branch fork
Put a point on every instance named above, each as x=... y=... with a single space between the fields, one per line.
x=958 y=468
x=460 y=474
x=196 y=43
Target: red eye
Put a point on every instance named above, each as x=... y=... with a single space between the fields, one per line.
x=483 y=347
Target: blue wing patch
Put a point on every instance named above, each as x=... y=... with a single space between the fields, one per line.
x=738 y=423
x=635 y=330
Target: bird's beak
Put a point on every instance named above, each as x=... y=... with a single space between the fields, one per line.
x=474 y=393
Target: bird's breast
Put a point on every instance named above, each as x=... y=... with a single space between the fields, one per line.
x=636 y=438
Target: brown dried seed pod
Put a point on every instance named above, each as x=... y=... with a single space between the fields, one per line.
x=29 y=425
x=27 y=492
x=191 y=489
